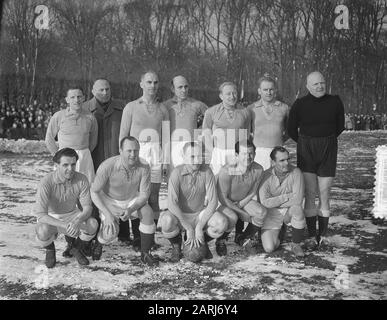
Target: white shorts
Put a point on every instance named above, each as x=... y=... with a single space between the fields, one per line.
x=67 y=217
x=151 y=153
x=293 y=216
x=274 y=218
x=117 y=208
x=193 y=219
x=262 y=157
x=85 y=164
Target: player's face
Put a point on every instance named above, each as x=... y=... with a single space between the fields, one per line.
x=101 y=91
x=129 y=152
x=281 y=163
x=267 y=91
x=180 y=88
x=66 y=167
x=193 y=157
x=75 y=99
x=316 y=85
x=229 y=96
x=150 y=84
x=246 y=156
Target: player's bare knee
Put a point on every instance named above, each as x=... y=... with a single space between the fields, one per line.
x=168 y=222
x=219 y=221
x=92 y=225
x=268 y=246
x=146 y=212
x=43 y=231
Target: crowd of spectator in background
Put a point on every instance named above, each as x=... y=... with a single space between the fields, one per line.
x=30 y=121
x=365 y=122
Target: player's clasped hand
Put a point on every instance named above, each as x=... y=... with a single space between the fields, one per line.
x=72 y=229
x=125 y=215
x=194 y=237
x=109 y=226
x=199 y=235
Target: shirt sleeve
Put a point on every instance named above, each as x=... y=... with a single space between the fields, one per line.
x=252 y=119
x=165 y=112
x=298 y=189
x=224 y=186
x=340 y=119
x=173 y=192
x=93 y=138
x=267 y=198
x=101 y=178
x=52 y=131
x=126 y=122
x=207 y=121
x=293 y=122
x=202 y=108
x=145 y=185
x=84 y=196
x=42 y=199
x=211 y=194
x=248 y=122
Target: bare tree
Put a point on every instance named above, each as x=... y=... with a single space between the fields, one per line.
x=80 y=23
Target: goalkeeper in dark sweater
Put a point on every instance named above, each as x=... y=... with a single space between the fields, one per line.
x=315 y=122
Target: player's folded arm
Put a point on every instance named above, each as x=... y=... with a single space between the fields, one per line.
x=268 y=200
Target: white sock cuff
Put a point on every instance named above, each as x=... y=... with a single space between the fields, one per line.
x=325 y=213
x=86 y=237
x=171 y=234
x=146 y=228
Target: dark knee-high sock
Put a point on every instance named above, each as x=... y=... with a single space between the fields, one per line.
x=297 y=235
x=51 y=246
x=207 y=238
x=250 y=230
x=69 y=240
x=95 y=215
x=124 y=231
x=224 y=236
x=322 y=225
x=135 y=228
x=176 y=240
x=311 y=224
x=146 y=241
x=282 y=233
x=239 y=226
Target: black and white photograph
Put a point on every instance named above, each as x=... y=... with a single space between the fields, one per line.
x=208 y=151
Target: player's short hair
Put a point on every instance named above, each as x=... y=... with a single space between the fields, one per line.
x=65 y=152
x=248 y=143
x=190 y=144
x=267 y=78
x=101 y=79
x=227 y=83
x=146 y=72
x=129 y=138
x=275 y=150
x=173 y=79
x=75 y=87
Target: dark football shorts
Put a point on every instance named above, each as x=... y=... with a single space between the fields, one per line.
x=317 y=155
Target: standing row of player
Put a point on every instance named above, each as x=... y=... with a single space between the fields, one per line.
x=266 y=119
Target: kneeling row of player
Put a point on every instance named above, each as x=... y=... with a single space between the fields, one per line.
x=122 y=187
